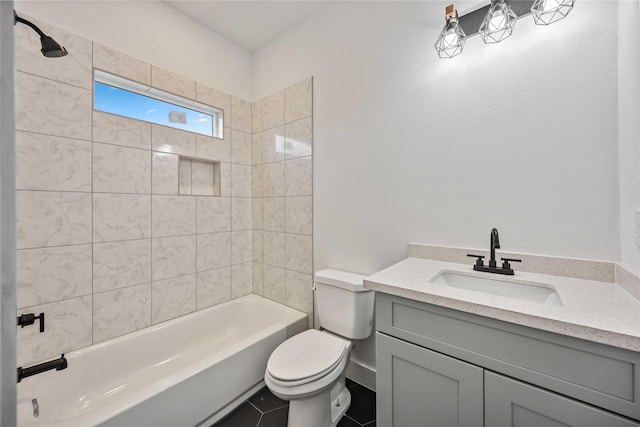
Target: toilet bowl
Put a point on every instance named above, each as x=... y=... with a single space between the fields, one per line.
x=308 y=369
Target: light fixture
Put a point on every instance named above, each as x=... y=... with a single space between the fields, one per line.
x=499 y=22
x=495 y=21
x=452 y=38
x=50 y=47
x=547 y=12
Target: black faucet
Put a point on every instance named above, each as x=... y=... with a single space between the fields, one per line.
x=494 y=244
x=57 y=364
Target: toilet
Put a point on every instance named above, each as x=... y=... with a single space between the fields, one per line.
x=308 y=369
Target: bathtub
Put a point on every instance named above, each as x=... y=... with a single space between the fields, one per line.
x=184 y=372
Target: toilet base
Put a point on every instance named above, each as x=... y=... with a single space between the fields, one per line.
x=312 y=412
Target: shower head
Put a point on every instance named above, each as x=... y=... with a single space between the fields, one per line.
x=50 y=48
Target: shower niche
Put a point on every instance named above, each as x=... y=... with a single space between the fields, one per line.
x=197 y=177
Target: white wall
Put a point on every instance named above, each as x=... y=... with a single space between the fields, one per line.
x=629 y=128
x=408 y=147
x=521 y=136
x=156 y=33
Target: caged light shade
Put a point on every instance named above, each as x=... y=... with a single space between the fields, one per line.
x=499 y=22
x=452 y=38
x=547 y=12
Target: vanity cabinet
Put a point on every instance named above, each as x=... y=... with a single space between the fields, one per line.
x=441 y=367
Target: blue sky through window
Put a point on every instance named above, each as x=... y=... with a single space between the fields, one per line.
x=130 y=104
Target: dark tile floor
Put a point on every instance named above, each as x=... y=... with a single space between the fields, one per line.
x=263 y=409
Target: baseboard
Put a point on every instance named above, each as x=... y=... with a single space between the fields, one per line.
x=361 y=374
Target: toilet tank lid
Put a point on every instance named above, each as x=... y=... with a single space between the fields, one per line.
x=341 y=279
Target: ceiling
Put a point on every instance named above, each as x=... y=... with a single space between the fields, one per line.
x=249 y=24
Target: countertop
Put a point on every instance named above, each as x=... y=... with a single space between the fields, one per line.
x=595 y=311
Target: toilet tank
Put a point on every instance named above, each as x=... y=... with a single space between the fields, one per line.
x=345 y=307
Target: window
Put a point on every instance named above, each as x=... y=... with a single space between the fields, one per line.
x=123 y=97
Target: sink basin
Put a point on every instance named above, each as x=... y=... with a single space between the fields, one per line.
x=526 y=291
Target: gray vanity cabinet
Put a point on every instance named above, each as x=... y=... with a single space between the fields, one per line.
x=442 y=367
x=421 y=387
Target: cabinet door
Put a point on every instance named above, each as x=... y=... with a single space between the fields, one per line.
x=417 y=387
x=512 y=403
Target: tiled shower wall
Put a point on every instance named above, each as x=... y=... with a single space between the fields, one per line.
x=282 y=196
x=118 y=228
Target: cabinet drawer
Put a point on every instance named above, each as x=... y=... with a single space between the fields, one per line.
x=510 y=403
x=604 y=376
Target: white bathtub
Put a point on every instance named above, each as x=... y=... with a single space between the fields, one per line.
x=184 y=372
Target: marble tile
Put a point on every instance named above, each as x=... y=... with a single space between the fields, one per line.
x=298 y=100
x=257 y=245
x=256 y=148
x=121 y=311
x=213 y=214
x=299 y=181
x=225 y=179
x=273 y=144
x=68 y=327
x=184 y=176
x=257 y=213
x=240 y=115
x=52 y=163
x=121 y=217
x=112 y=129
x=173 y=215
x=241 y=213
x=116 y=62
x=214 y=287
x=164 y=173
x=215 y=98
x=258 y=278
x=273 y=179
x=273 y=110
x=202 y=178
x=169 y=140
x=52 y=274
x=120 y=264
x=172 y=257
x=273 y=214
x=209 y=148
x=299 y=253
x=273 y=246
x=74 y=69
x=240 y=147
x=241 y=246
x=214 y=251
x=298 y=138
x=274 y=283
x=119 y=169
x=256 y=180
x=52 y=218
x=299 y=216
x=171 y=82
x=256 y=116
x=173 y=298
x=241 y=279
x=299 y=292
x=52 y=108
x=241 y=184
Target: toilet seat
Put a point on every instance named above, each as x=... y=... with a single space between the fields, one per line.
x=306 y=357
x=306 y=363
